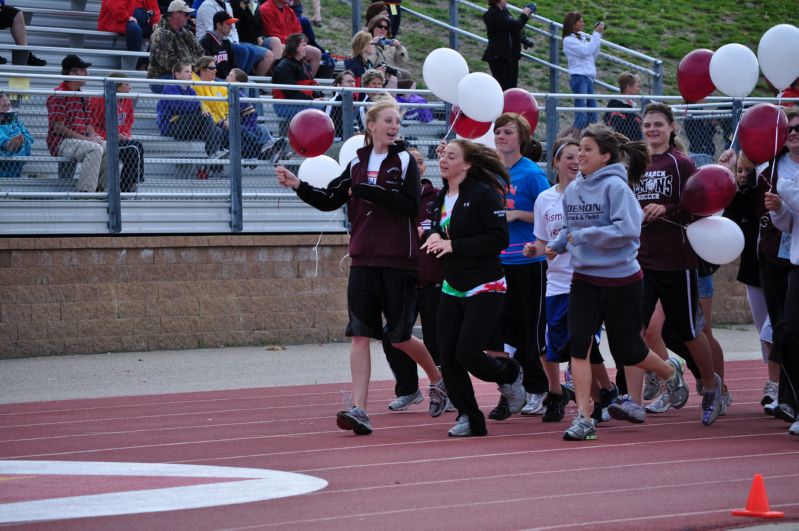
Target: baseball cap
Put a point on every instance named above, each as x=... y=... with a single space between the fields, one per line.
x=179 y=5
x=73 y=61
x=222 y=16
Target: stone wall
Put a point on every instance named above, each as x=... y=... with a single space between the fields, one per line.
x=80 y=295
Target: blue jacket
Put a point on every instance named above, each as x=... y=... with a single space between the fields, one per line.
x=169 y=110
x=12 y=128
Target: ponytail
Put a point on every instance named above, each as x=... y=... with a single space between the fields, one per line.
x=620 y=147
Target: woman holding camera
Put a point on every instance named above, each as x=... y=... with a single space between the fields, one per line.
x=581 y=51
x=505 y=41
x=389 y=51
x=362 y=49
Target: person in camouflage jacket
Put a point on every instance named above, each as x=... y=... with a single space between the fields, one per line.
x=172 y=42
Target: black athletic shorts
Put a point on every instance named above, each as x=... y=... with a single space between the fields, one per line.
x=678 y=293
x=377 y=292
x=7 y=15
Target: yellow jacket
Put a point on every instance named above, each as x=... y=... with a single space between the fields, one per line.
x=218 y=109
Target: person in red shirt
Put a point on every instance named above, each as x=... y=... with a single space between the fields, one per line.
x=69 y=130
x=279 y=20
x=131 y=152
x=135 y=19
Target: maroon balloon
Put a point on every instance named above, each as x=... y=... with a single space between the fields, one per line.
x=763 y=131
x=708 y=190
x=693 y=76
x=311 y=133
x=522 y=102
x=465 y=126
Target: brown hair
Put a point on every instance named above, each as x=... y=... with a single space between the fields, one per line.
x=522 y=126
x=340 y=78
x=371 y=74
x=627 y=79
x=619 y=146
x=568 y=23
x=485 y=165
x=201 y=63
x=374 y=9
x=666 y=111
x=375 y=20
x=180 y=65
x=240 y=75
x=293 y=42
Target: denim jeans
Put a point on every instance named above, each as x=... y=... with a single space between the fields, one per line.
x=583 y=85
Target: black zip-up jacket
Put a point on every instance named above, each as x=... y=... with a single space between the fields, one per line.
x=382 y=211
x=429 y=270
x=478 y=230
x=743 y=211
x=504 y=33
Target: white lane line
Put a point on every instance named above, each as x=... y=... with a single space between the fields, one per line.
x=255 y=485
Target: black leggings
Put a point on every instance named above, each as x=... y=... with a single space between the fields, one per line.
x=786 y=341
x=465 y=325
x=505 y=72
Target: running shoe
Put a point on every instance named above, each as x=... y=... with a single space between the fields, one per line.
x=461 y=428
x=450 y=406
x=501 y=411
x=661 y=405
x=567 y=390
x=555 y=408
x=769 y=409
x=514 y=392
x=652 y=384
x=794 y=429
x=355 y=419
x=785 y=412
x=625 y=408
x=581 y=429
x=678 y=393
x=711 y=403
x=726 y=400
x=535 y=404
x=596 y=414
x=401 y=403
x=438 y=398
x=769 y=393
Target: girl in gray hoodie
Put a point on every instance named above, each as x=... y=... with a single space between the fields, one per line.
x=602 y=233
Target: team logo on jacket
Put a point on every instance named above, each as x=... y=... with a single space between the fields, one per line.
x=653 y=185
x=372 y=180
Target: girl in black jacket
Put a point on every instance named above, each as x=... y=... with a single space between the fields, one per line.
x=504 y=41
x=468 y=232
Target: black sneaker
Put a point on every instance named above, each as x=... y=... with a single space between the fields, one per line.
x=502 y=411
x=35 y=61
x=596 y=414
x=607 y=396
x=355 y=419
x=556 y=407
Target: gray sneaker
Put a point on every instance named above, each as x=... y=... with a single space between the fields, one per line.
x=355 y=419
x=461 y=428
x=794 y=429
x=450 y=406
x=726 y=401
x=514 y=393
x=711 y=403
x=661 y=405
x=534 y=405
x=625 y=408
x=652 y=384
x=581 y=429
x=769 y=393
x=678 y=393
x=401 y=403
x=438 y=398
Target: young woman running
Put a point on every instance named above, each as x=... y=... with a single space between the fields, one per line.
x=601 y=233
x=468 y=232
x=381 y=188
x=669 y=262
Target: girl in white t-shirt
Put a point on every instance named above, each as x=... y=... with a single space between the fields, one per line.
x=548 y=221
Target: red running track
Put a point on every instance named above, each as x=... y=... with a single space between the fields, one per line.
x=669 y=473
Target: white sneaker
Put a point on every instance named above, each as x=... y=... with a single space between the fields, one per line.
x=794 y=429
x=534 y=404
x=661 y=405
x=769 y=393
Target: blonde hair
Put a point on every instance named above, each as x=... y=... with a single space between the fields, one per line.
x=386 y=102
x=360 y=42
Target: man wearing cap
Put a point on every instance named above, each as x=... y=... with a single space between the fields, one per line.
x=172 y=43
x=69 y=130
x=217 y=44
x=251 y=58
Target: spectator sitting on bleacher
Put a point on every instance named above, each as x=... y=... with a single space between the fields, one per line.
x=135 y=19
x=389 y=51
x=11 y=17
x=293 y=69
x=205 y=70
x=69 y=130
x=172 y=43
x=251 y=58
x=362 y=49
x=279 y=20
x=187 y=119
x=249 y=27
x=15 y=140
x=131 y=152
x=344 y=79
x=256 y=140
x=373 y=79
x=218 y=46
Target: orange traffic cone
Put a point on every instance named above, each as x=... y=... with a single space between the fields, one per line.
x=757 y=503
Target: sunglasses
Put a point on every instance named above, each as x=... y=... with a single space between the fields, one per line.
x=209 y=67
x=794 y=128
x=382 y=27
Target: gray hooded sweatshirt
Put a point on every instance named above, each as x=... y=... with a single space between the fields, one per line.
x=603 y=218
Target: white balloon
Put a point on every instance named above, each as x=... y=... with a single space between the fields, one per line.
x=487 y=139
x=348 y=149
x=716 y=240
x=778 y=54
x=319 y=171
x=442 y=71
x=480 y=97
x=734 y=70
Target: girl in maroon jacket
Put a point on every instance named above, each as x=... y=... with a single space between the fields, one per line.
x=381 y=188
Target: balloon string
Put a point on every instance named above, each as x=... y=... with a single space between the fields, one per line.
x=776 y=139
x=735 y=134
x=452 y=125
